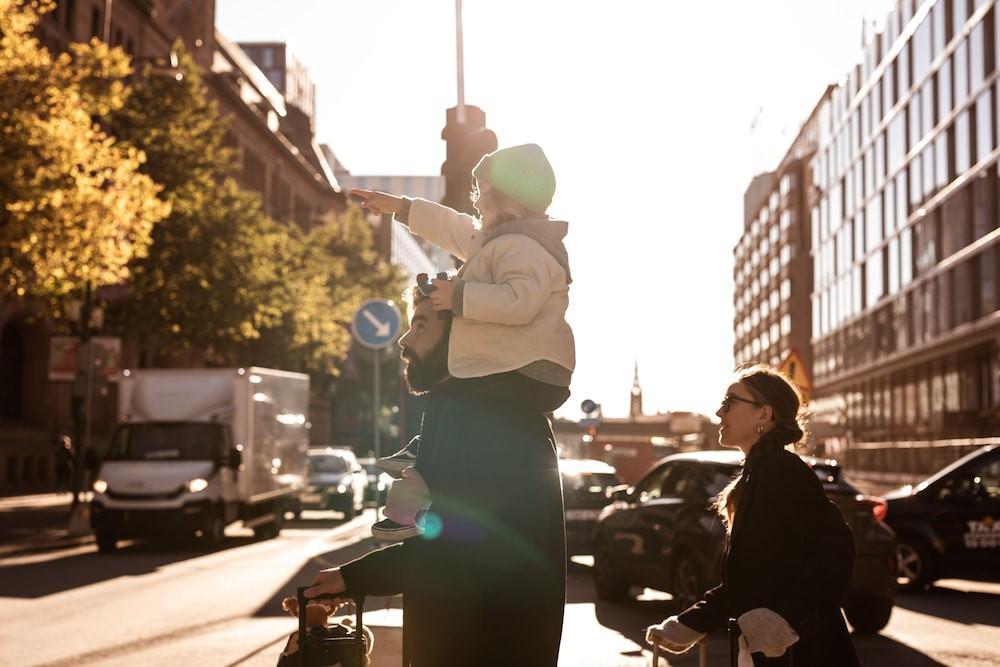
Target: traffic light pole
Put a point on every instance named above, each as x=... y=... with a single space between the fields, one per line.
x=460 y=62
x=377 y=402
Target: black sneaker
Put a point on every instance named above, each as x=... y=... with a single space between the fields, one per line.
x=404 y=458
x=388 y=530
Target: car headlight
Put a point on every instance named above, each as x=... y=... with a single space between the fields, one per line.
x=100 y=486
x=341 y=488
x=196 y=485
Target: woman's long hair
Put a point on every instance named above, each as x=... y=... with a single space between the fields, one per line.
x=773 y=389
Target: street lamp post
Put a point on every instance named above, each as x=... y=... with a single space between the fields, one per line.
x=87 y=318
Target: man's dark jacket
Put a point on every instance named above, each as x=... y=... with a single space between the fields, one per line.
x=789 y=551
x=486 y=583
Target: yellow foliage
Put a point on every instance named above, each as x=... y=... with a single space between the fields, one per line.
x=74 y=207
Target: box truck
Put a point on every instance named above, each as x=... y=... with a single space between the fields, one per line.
x=197 y=449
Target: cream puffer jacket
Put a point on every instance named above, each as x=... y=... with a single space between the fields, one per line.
x=516 y=291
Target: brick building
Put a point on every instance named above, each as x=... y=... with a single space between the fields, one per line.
x=278 y=157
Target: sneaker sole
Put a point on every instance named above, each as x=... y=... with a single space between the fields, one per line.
x=396 y=535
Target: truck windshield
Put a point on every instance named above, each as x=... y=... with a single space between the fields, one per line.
x=167 y=441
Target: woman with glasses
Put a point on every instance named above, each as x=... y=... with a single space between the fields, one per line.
x=789 y=554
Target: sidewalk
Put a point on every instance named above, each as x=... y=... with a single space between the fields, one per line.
x=37 y=522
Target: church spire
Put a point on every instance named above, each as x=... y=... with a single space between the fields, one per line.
x=635 y=401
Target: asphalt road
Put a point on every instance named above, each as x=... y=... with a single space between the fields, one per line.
x=170 y=604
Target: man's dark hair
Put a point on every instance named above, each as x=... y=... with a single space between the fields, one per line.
x=423 y=374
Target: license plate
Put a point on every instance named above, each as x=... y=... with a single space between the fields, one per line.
x=582 y=515
x=309 y=497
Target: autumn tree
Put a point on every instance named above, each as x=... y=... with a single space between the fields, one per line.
x=75 y=208
x=206 y=285
x=326 y=275
x=222 y=279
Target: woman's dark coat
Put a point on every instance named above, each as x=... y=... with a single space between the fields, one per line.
x=789 y=551
x=490 y=588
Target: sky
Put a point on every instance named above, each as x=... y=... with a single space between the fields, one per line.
x=655 y=115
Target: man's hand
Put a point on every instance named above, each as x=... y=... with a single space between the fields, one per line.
x=444 y=291
x=378 y=202
x=327 y=582
x=673 y=635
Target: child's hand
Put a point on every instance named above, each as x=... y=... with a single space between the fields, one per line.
x=442 y=295
x=378 y=202
x=407 y=496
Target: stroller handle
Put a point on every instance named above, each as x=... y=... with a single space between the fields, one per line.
x=359 y=605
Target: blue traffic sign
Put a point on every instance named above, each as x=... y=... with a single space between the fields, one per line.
x=376 y=324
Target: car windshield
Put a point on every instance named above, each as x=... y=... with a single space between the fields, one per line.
x=327 y=464
x=168 y=441
x=588 y=482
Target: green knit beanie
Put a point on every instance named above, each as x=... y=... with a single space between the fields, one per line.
x=523 y=173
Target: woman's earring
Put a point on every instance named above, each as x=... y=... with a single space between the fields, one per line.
x=760 y=428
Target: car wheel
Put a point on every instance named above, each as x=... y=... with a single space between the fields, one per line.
x=686 y=580
x=868 y=615
x=106 y=542
x=914 y=564
x=609 y=585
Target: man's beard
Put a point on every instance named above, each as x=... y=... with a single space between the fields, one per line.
x=423 y=374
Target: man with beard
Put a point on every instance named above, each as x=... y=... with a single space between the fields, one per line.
x=485 y=584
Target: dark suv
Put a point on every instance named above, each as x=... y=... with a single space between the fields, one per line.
x=949 y=524
x=663 y=534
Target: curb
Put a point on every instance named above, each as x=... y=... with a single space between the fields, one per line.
x=35 y=546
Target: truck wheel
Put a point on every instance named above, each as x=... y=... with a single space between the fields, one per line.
x=214 y=534
x=607 y=583
x=868 y=615
x=106 y=542
x=915 y=564
x=272 y=529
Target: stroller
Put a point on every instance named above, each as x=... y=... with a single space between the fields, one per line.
x=328 y=645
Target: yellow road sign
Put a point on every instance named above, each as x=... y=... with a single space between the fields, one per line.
x=793 y=368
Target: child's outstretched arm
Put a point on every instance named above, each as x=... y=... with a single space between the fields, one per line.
x=454 y=232
x=379 y=202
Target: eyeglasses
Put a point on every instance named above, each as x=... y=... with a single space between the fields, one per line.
x=728 y=401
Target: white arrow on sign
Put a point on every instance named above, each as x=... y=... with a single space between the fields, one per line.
x=382 y=329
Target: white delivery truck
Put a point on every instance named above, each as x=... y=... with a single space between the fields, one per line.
x=197 y=449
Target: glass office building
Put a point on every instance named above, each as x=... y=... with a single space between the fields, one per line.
x=905 y=252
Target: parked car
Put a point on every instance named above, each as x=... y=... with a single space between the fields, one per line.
x=949 y=524
x=586 y=484
x=336 y=482
x=378 y=482
x=663 y=534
